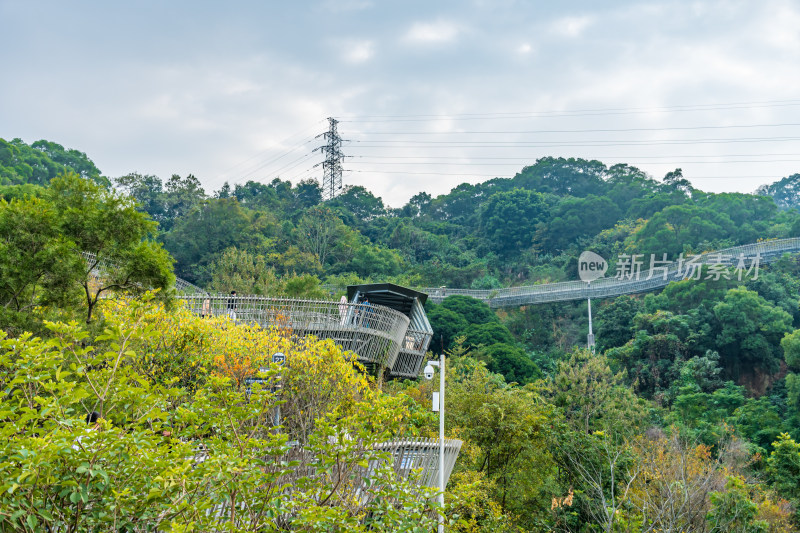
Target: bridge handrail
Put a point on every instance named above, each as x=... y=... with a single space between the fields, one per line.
x=604 y=287
x=326 y=319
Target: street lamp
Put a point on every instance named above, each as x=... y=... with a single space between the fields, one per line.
x=428 y=373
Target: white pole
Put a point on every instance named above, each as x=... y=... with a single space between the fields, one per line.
x=590 y=337
x=441 y=443
x=590 y=316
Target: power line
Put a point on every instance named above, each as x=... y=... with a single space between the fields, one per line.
x=549 y=144
x=292 y=164
x=577 y=112
x=267 y=164
x=527 y=156
x=516 y=165
x=300 y=174
x=467 y=174
x=267 y=150
x=592 y=130
x=507 y=139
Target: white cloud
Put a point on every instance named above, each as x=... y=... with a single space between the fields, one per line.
x=525 y=48
x=358 y=51
x=432 y=32
x=779 y=28
x=572 y=26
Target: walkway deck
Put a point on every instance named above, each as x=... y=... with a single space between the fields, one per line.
x=648 y=280
x=375 y=333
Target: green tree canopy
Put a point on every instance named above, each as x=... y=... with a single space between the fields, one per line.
x=37 y=261
x=509 y=219
x=563 y=176
x=107 y=225
x=784 y=192
x=472 y=310
x=203 y=453
x=42 y=161
x=509 y=361
x=487 y=334
x=652 y=358
x=783 y=466
x=211 y=228
x=573 y=218
x=446 y=325
x=750 y=330
x=44 y=238
x=677 y=227
x=73 y=160
x=505 y=426
x=358 y=204
x=615 y=324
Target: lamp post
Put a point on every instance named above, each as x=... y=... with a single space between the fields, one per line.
x=428 y=372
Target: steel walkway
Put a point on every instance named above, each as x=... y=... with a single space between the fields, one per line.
x=609 y=287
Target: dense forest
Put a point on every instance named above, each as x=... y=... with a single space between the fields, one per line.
x=686 y=417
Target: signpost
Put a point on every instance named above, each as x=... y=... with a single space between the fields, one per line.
x=280 y=359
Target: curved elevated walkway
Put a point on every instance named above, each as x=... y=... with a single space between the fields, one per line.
x=413 y=351
x=648 y=280
x=390 y=332
x=380 y=336
x=375 y=333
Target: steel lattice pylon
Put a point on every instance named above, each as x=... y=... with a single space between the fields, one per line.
x=332 y=166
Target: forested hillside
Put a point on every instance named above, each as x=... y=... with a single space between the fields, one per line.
x=685 y=418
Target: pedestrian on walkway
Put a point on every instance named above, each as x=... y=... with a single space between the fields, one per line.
x=232 y=305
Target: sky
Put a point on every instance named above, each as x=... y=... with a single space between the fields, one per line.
x=428 y=94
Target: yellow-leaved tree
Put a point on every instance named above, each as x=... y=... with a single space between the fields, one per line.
x=184 y=442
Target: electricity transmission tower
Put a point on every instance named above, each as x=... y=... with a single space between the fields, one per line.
x=332 y=166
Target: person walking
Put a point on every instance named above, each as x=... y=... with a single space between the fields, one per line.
x=205 y=311
x=367 y=312
x=232 y=305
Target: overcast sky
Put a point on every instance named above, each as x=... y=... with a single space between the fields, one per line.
x=429 y=93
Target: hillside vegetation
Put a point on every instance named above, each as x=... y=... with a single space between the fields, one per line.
x=685 y=418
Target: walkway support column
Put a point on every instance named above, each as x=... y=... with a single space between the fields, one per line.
x=590 y=336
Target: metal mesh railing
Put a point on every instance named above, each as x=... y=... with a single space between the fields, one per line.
x=98 y=268
x=415 y=345
x=406 y=455
x=411 y=454
x=412 y=354
x=375 y=333
x=648 y=280
x=184 y=287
